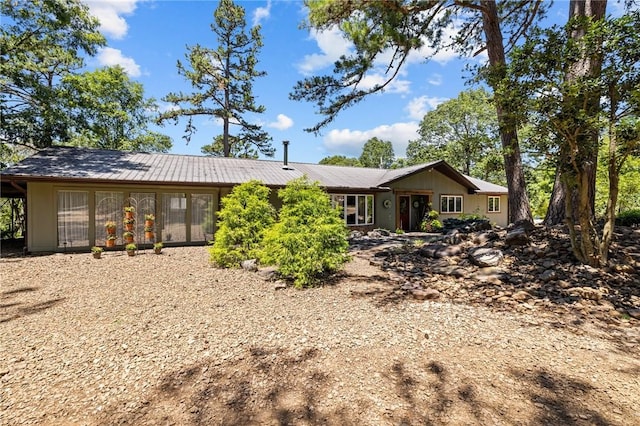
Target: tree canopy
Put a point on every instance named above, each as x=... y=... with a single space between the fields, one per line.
x=340 y=160
x=463 y=132
x=377 y=154
x=222 y=79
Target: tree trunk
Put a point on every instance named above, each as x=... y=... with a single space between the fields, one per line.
x=587 y=65
x=518 y=208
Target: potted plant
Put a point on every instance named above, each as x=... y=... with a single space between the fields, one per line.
x=128 y=237
x=111 y=241
x=129 y=224
x=96 y=251
x=111 y=227
x=148 y=233
x=157 y=247
x=128 y=212
x=148 y=220
x=131 y=249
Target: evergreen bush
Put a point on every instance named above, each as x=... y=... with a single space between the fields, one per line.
x=310 y=237
x=628 y=218
x=245 y=216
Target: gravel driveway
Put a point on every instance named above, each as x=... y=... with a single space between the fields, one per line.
x=170 y=340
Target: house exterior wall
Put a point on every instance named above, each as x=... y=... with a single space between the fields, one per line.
x=439 y=184
x=42 y=211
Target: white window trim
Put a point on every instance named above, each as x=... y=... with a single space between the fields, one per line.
x=489 y=197
x=454 y=197
x=366 y=208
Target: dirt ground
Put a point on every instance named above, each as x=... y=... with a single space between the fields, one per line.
x=169 y=340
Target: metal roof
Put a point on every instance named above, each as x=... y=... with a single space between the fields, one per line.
x=71 y=164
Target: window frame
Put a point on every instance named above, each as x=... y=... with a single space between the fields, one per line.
x=447 y=197
x=495 y=198
x=368 y=201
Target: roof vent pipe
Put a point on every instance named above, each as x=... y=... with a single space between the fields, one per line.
x=285 y=144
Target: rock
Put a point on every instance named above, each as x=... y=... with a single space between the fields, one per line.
x=485 y=257
x=268 y=273
x=250 y=265
x=634 y=313
x=280 y=285
x=548 y=275
x=521 y=295
x=485 y=237
x=437 y=251
x=517 y=237
x=425 y=294
x=355 y=234
x=381 y=232
x=453 y=237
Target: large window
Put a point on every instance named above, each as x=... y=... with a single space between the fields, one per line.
x=174 y=217
x=202 y=217
x=357 y=209
x=108 y=209
x=450 y=204
x=494 y=204
x=73 y=219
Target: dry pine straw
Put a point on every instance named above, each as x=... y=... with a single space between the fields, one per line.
x=171 y=340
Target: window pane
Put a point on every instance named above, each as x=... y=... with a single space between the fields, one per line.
x=369 y=209
x=145 y=203
x=73 y=219
x=108 y=209
x=458 y=204
x=443 y=204
x=351 y=210
x=452 y=204
x=202 y=217
x=174 y=209
x=362 y=209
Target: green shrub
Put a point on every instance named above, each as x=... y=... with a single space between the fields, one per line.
x=245 y=216
x=430 y=223
x=310 y=237
x=628 y=218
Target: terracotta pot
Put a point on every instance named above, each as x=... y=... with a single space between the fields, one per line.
x=111 y=243
x=112 y=230
x=148 y=235
x=128 y=240
x=128 y=215
x=128 y=227
x=148 y=223
x=131 y=252
x=96 y=255
x=157 y=250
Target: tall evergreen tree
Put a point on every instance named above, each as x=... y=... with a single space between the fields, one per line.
x=223 y=80
x=398 y=28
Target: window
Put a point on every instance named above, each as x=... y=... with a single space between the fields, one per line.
x=108 y=209
x=494 y=204
x=174 y=217
x=450 y=204
x=357 y=209
x=73 y=219
x=202 y=217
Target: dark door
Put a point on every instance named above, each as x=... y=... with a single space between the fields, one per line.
x=403 y=213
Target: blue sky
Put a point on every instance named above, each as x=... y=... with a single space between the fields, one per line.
x=147 y=37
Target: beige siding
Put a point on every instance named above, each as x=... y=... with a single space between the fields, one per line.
x=42 y=209
x=441 y=185
x=385 y=217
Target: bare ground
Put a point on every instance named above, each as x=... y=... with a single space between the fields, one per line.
x=170 y=340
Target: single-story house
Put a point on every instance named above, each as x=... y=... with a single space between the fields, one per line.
x=72 y=192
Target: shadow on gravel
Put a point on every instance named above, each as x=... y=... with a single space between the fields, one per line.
x=12 y=308
x=559 y=399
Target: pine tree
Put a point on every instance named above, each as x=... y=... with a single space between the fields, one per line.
x=223 y=80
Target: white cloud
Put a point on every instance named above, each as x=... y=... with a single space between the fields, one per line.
x=350 y=142
x=418 y=107
x=332 y=44
x=261 y=13
x=110 y=12
x=396 y=86
x=108 y=56
x=435 y=80
x=282 y=123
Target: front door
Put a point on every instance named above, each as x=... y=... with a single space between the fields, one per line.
x=404 y=216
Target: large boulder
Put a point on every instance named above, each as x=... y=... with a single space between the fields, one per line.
x=517 y=237
x=485 y=256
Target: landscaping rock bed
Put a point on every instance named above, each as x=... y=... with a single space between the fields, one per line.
x=168 y=339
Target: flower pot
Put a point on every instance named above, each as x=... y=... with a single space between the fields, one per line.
x=111 y=243
x=128 y=215
x=111 y=230
x=97 y=255
x=128 y=227
x=131 y=252
x=148 y=223
x=149 y=235
x=157 y=250
x=128 y=240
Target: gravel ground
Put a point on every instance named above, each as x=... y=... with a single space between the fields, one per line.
x=170 y=340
